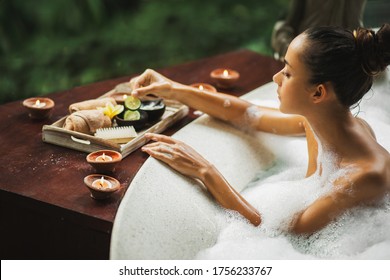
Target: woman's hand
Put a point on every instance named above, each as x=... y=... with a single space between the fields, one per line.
x=177 y=155
x=151 y=82
x=187 y=161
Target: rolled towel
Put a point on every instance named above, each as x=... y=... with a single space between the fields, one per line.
x=91 y=104
x=87 y=121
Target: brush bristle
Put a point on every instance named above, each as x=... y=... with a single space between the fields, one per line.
x=119 y=132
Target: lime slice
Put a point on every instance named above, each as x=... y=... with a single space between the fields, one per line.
x=132 y=115
x=132 y=103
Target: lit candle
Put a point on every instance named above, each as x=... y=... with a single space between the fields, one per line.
x=103 y=158
x=104 y=161
x=204 y=87
x=101 y=183
x=39 y=107
x=39 y=104
x=124 y=97
x=225 y=78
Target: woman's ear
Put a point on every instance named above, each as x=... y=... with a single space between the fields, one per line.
x=320 y=93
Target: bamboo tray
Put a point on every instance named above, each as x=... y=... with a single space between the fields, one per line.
x=57 y=135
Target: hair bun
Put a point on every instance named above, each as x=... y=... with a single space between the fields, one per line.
x=373 y=49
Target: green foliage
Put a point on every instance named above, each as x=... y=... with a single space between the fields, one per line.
x=48 y=46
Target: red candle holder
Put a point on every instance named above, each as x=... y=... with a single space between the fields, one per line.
x=204 y=87
x=101 y=186
x=225 y=78
x=104 y=161
x=39 y=107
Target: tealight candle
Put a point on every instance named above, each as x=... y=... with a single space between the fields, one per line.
x=104 y=161
x=101 y=186
x=39 y=107
x=101 y=183
x=225 y=78
x=103 y=158
x=204 y=87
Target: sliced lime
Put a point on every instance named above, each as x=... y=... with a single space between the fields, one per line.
x=132 y=115
x=132 y=103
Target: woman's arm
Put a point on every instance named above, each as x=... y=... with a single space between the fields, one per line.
x=185 y=160
x=219 y=105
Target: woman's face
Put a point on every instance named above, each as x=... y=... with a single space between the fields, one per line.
x=293 y=86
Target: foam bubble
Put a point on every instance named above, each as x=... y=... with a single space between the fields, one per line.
x=279 y=193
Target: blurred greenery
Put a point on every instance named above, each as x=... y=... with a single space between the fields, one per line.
x=48 y=46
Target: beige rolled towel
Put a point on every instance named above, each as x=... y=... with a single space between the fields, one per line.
x=87 y=121
x=91 y=104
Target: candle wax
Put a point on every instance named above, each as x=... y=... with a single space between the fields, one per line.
x=39 y=104
x=101 y=183
x=103 y=158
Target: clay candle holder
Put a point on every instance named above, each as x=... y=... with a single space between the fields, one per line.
x=225 y=78
x=104 y=161
x=204 y=87
x=101 y=186
x=39 y=107
x=120 y=97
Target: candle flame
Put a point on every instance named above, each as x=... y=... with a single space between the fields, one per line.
x=104 y=157
x=225 y=73
x=201 y=87
x=39 y=104
x=101 y=182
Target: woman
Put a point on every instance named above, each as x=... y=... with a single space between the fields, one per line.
x=327 y=70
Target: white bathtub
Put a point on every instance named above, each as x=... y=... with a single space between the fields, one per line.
x=165 y=215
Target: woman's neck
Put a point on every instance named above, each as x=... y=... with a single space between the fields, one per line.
x=336 y=131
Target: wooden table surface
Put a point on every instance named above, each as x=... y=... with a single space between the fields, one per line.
x=46 y=211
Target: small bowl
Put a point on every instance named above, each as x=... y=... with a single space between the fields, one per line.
x=39 y=111
x=154 y=108
x=225 y=81
x=104 y=161
x=204 y=86
x=103 y=192
x=139 y=124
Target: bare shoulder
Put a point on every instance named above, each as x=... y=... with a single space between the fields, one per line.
x=367 y=181
x=366 y=126
x=374 y=176
x=363 y=184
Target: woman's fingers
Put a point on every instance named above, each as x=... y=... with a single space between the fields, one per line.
x=144 y=79
x=162 y=88
x=160 y=137
x=160 y=153
x=150 y=82
x=142 y=91
x=176 y=154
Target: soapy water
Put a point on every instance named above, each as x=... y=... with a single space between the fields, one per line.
x=282 y=190
x=279 y=193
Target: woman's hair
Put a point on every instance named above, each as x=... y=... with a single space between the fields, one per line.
x=349 y=60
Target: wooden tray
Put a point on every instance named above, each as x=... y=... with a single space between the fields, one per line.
x=57 y=135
